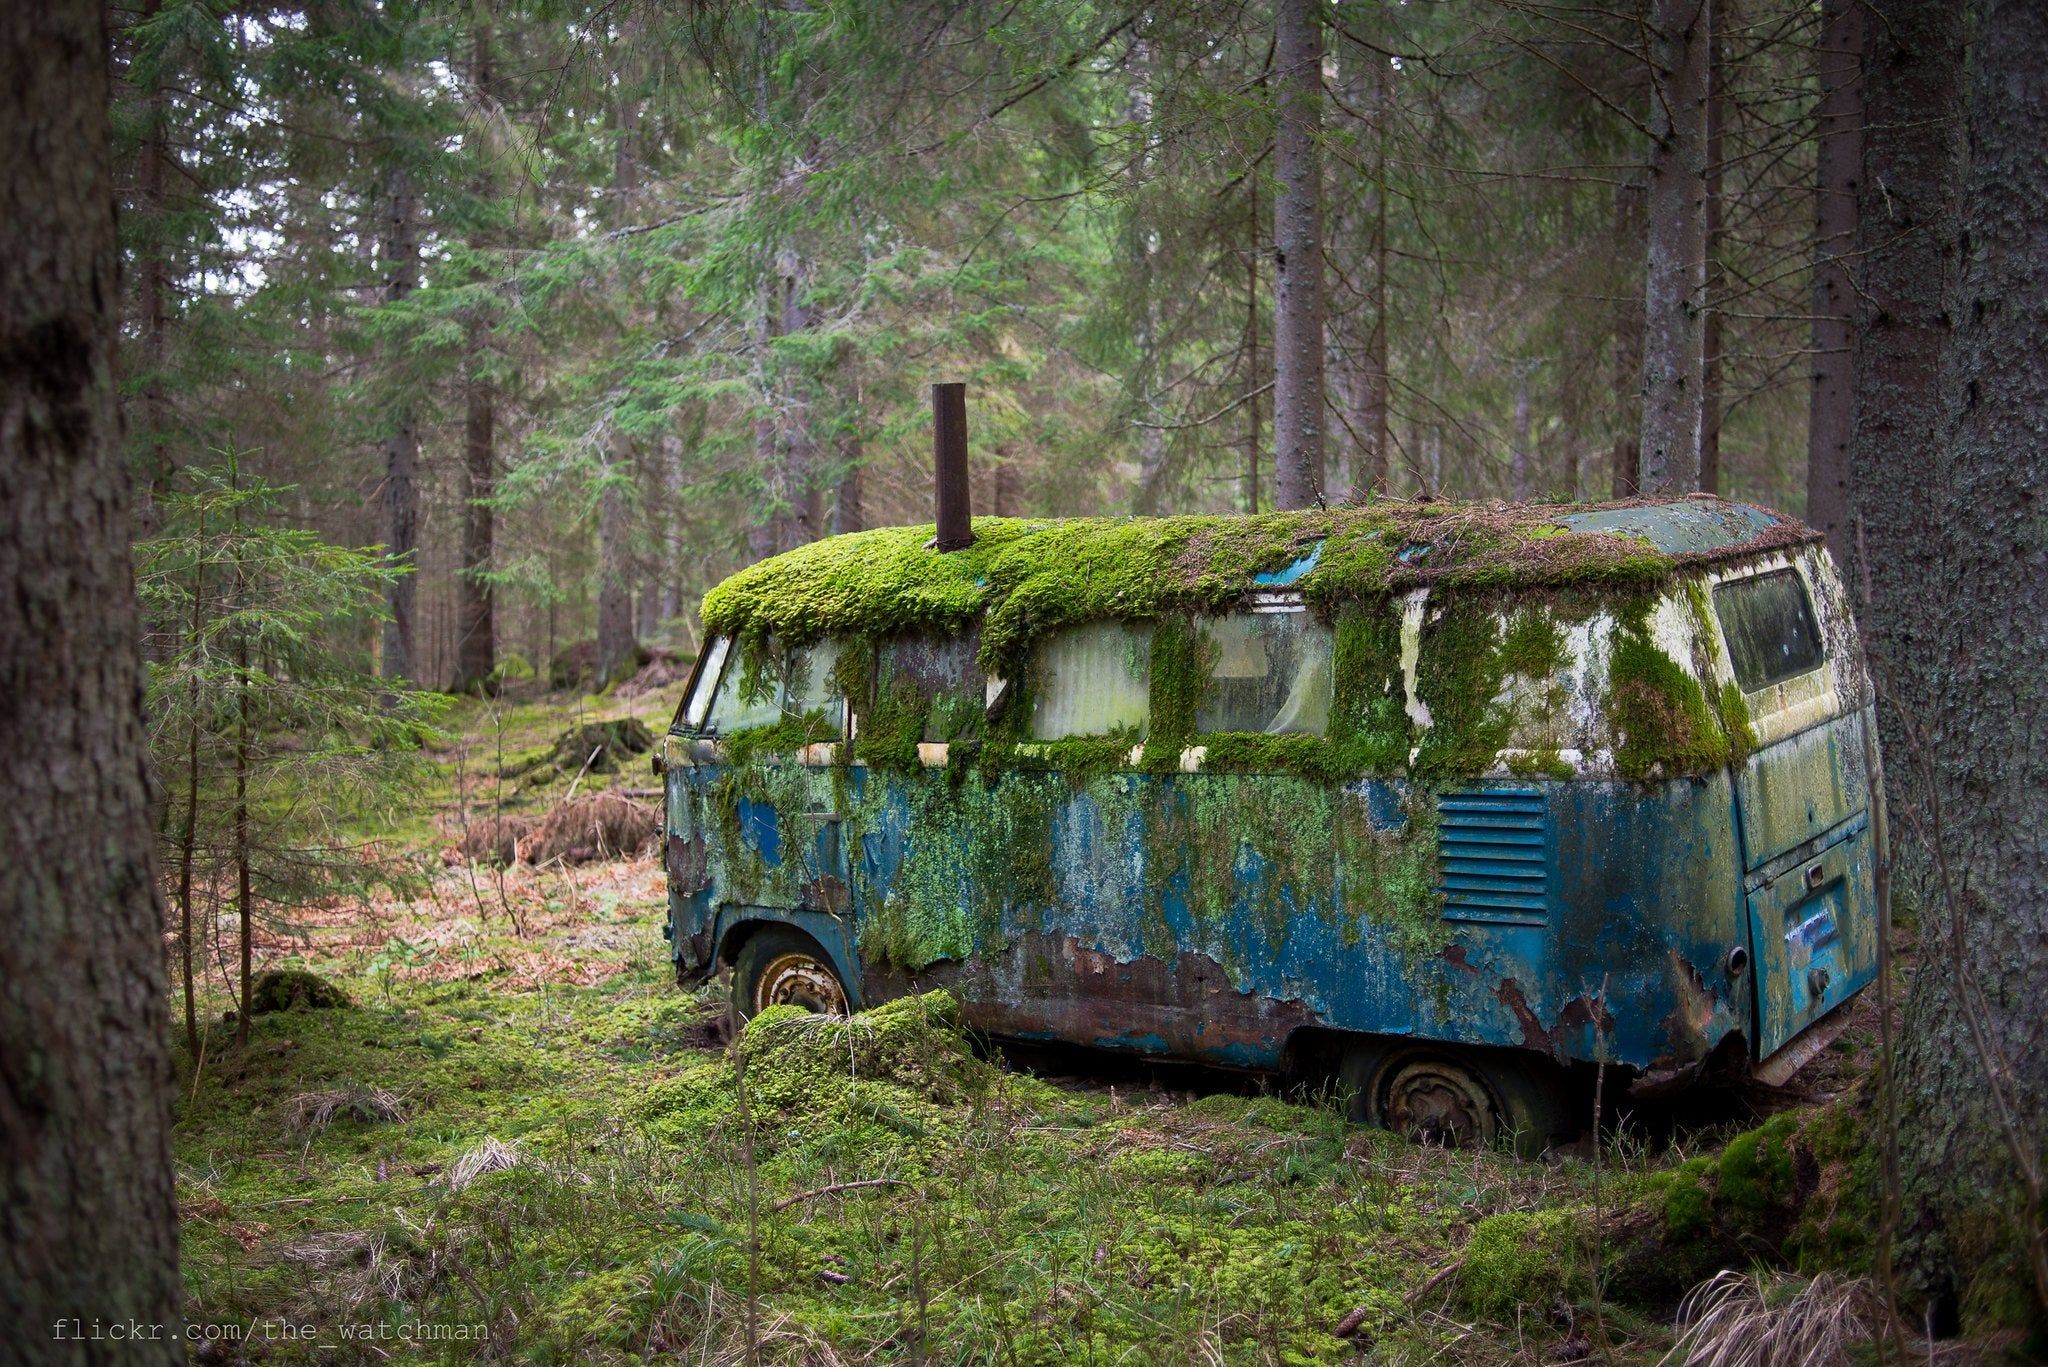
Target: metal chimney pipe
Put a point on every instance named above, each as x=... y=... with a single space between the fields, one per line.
x=949 y=467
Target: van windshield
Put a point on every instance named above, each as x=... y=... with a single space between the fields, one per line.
x=1768 y=622
x=1269 y=672
x=792 y=683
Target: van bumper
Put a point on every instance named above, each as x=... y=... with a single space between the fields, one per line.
x=1801 y=1049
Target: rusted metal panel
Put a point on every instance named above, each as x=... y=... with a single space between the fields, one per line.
x=1103 y=925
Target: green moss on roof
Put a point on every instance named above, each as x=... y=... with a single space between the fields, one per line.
x=1023 y=577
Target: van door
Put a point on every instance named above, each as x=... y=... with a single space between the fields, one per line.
x=1802 y=797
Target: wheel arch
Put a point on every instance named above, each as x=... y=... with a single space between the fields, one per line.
x=829 y=933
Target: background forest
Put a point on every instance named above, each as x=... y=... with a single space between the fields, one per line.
x=452 y=348
x=576 y=308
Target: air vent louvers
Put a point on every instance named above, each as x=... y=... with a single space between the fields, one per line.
x=1494 y=847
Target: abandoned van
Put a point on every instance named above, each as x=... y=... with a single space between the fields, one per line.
x=1456 y=800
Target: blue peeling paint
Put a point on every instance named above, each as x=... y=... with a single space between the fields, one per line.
x=761 y=831
x=1280 y=579
x=1589 y=919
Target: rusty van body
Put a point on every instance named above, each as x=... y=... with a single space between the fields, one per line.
x=1460 y=799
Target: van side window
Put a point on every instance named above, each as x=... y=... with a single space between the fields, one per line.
x=788 y=683
x=1093 y=680
x=1768 y=622
x=1269 y=672
x=940 y=675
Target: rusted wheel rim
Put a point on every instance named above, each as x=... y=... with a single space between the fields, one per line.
x=1434 y=1101
x=799 y=979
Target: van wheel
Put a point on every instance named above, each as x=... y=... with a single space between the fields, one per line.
x=779 y=966
x=1456 y=1098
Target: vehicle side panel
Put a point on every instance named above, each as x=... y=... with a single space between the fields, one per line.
x=1210 y=916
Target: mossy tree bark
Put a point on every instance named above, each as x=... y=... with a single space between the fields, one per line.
x=1906 y=247
x=617 y=652
x=1838 y=167
x=88 y=1213
x=1298 y=257
x=402 y=443
x=1629 y=200
x=1973 y=1072
x=1675 y=280
x=476 y=627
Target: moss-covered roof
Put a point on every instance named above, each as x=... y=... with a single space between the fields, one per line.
x=1023 y=576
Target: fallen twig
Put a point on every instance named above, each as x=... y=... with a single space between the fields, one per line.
x=786 y=1202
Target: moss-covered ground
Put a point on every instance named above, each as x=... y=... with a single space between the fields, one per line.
x=523 y=1141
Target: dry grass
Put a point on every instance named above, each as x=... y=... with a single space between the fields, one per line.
x=311 y=1112
x=494 y=839
x=489 y=1156
x=1756 y=1319
x=596 y=826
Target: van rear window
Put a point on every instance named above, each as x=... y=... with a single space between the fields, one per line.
x=1769 y=626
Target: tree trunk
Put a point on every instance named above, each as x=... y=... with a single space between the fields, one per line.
x=245 y=910
x=476 y=654
x=1629 y=201
x=848 y=514
x=1839 y=168
x=153 y=295
x=801 y=492
x=1362 y=239
x=1139 y=246
x=617 y=655
x=1008 y=491
x=1251 y=350
x=1973 y=1071
x=1907 y=252
x=1298 y=258
x=86 y=1197
x=1716 y=285
x=402 y=446
x=1675 y=279
x=1521 y=460
x=672 y=539
x=764 y=536
x=617 y=651
x=1377 y=402
x=188 y=834
x=476 y=627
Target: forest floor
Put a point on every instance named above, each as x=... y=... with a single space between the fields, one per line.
x=522 y=1141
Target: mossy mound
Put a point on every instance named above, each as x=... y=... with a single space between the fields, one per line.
x=1022 y=577
x=1526 y=1258
x=801 y=1062
x=1802 y=1186
x=602 y=744
x=294 y=990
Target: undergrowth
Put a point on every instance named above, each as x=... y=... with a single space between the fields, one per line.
x=585 y=1175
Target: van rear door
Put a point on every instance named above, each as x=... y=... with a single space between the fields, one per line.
x=1803 y=796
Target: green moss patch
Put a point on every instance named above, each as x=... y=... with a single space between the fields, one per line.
x=801 y=1063
x=1526 y=1258
x=1663 y=724
x=1022 y=578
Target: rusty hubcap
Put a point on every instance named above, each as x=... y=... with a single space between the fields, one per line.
x=1434 y=1101
x=802 y=980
